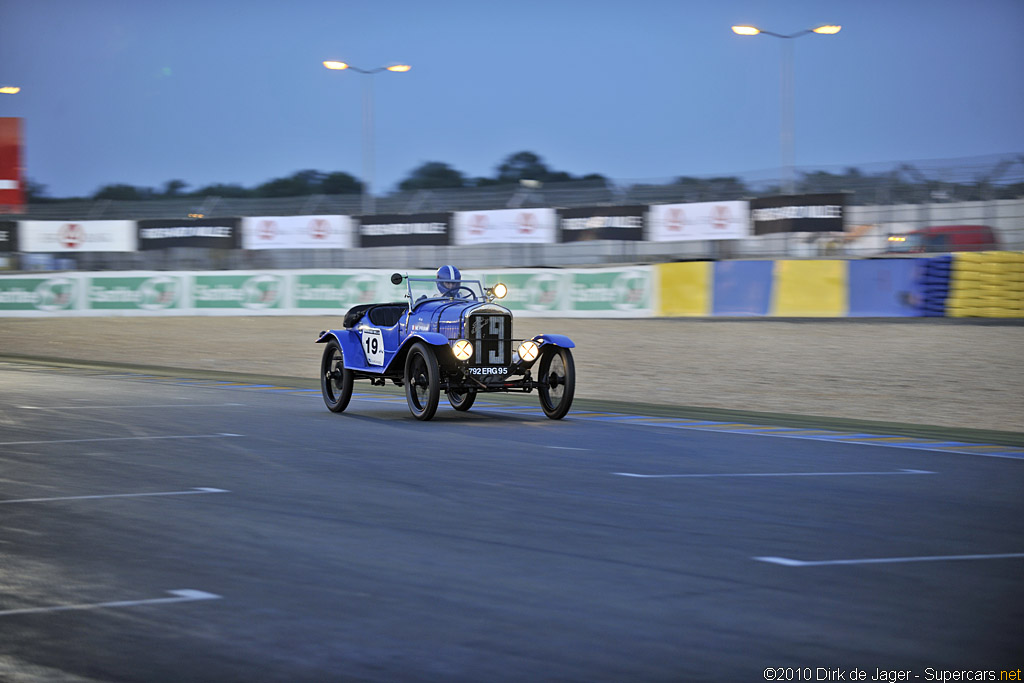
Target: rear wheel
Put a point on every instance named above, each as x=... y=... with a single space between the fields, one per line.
x=335 y=380
x=422 y=382
x=462 y=399
x=557 y=378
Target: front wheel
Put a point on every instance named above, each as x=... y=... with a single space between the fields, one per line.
x=422 y=382
x=462 y=399
x=557 y=381
x=335 y=380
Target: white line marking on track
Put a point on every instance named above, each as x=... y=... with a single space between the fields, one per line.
x=768 y=474
x=172 y=405
x=787 y=562
x=182 y=595
x=567 y=448
x=120 y=438
x=119 y=495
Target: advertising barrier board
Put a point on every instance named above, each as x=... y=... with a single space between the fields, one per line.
x=516 y=226
x=798 y=213
x=204 y=233
x=65 y=237
x=601 y=223
x=297 y=232
x=328 y=292
x=8 y=237
x=577 y=292
x=39 y=295
x=152 y=292
x=392 y=230
x=230 y=291
x=583 y=292
x=698 y=221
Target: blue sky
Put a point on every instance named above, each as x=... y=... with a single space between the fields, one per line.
x=142 y=92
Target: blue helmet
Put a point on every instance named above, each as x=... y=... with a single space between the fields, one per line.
x=449 y=279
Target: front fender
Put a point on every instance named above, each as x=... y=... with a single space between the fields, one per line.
x=555 y=340
x=542 y=340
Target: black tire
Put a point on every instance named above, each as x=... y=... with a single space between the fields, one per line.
x=422 y=381
x=462 y=399
x=335 y=380
x=557 y=378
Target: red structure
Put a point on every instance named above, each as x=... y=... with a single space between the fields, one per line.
x=12 y=195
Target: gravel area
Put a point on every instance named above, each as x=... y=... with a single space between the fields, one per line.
x=933 y=372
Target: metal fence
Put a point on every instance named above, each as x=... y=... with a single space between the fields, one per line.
x=952 y=180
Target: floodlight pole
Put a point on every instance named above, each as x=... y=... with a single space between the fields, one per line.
x=369 y=205
x=786 y=96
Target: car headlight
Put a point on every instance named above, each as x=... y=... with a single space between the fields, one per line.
x=499 y=291
x=463 y=349
x=528 y=351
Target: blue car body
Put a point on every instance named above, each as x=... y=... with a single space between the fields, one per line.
x=375 y=341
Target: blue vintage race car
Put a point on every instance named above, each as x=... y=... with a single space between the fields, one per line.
x=448 y=335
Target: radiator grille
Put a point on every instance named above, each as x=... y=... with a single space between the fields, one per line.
x=491 y=335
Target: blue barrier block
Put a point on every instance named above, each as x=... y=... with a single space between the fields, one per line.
x=742 y=287
x=884 y=288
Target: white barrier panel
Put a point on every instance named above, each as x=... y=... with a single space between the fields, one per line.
x=515 y=226
x=698 y=221
x=63 y=237
x=579 y=292
x=297 y=232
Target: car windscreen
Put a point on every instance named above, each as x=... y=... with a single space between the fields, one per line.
x=428 y=287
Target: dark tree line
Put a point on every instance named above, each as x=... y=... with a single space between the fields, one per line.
x=903 y=185
x=431 y=175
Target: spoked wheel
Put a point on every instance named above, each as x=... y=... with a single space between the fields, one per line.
x=422 y=382
x=335 y=380
x=462 y=399
x=557 y=377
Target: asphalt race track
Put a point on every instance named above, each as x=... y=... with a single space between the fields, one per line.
x=155 y=530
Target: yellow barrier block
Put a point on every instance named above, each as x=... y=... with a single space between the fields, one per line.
x=816 y=289
x=994 y=275
x=685 y=288
x=1016 y=257
x=963 y=257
